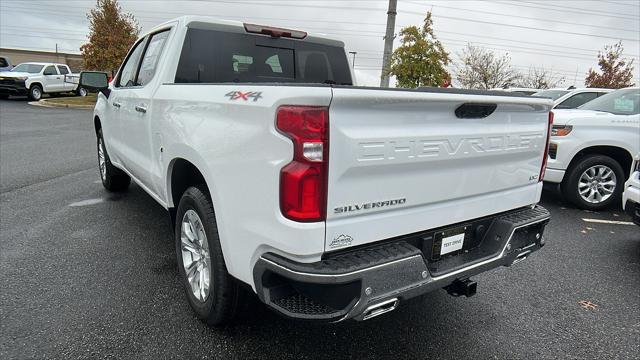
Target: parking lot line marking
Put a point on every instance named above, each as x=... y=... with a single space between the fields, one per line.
x=608 y=222
x=87 y=202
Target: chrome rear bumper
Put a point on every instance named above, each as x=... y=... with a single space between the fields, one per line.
x=373 y=280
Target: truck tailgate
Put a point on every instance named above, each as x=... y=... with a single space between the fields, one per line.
x=402 y=161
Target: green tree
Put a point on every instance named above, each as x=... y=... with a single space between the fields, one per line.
x=420 y=60
x=111 y=35
x=616 y=72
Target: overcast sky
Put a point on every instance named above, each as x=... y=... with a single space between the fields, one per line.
x=564 y=36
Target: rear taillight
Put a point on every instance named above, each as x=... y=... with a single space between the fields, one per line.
x=546 y=147
x=303 y=182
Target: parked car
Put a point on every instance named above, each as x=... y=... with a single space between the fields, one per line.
x=593 y=146
x=572 y=98
x=631 y=194
x=37 y=79
x=330 y=201
x=5 y=64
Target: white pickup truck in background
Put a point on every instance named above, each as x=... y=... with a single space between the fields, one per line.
x=329 y=201
x=592 y=149
x=37 y=79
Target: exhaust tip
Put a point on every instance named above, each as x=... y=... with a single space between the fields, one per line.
x=380 y=308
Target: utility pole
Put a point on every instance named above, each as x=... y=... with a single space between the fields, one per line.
x=353 y=63
x=388 y=42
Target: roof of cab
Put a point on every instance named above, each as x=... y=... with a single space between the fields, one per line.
x=238 y=27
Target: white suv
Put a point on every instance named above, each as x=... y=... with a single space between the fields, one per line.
x=592 y=148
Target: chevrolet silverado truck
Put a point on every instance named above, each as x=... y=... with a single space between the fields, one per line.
x=328 y=200
x=37 y=79
x=592 y=149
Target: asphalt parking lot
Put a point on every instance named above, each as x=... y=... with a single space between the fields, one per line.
x=86 y=274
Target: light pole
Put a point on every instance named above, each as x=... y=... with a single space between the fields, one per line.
x=388 y=42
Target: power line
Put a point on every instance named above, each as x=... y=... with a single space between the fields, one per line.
x=521 y=26
x=414 y=13
x=526 y=17
x=546 y=7
x=576 y=9
x=622 y=3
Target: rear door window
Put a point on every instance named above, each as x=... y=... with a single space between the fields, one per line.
x=50 y=70
x=210 y=56
x=577 y=100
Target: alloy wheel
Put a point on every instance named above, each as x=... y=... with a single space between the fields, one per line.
x=102 y=161
x=37 y=94
x=196 y=259
x=597 y=184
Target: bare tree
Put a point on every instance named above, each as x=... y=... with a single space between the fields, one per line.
x=481 y=68
x=541 y=78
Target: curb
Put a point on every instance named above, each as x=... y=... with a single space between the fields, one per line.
x=45 y=103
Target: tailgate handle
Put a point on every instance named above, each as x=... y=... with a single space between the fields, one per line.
x=475 y=111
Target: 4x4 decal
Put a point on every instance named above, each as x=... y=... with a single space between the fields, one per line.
x=235 y=95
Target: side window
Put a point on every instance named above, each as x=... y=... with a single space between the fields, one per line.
x=151 y=57
x=577 y=100
x=128 y=73
x=3 y=62
x=50 y=70
x=63 y=70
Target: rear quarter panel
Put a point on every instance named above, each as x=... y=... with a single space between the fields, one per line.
x=234 y=143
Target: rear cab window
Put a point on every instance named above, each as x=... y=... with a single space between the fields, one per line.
x=63 y=70
x=577 y=100
x=211 y=56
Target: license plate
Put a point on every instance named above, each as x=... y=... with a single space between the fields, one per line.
x=452 y=242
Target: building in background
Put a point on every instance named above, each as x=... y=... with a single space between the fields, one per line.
x=17 y=56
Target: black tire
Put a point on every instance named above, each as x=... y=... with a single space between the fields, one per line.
x=113 y=179
x=81 y=92
x=570 y=184
x=35 y=92
x=225 y=296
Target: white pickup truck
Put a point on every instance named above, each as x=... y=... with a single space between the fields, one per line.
x=329 y=201
x=592 y=148
x=37 y=79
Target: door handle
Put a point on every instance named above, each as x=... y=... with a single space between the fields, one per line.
x=58 y=77
x=116 y=104
x=141 y=108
